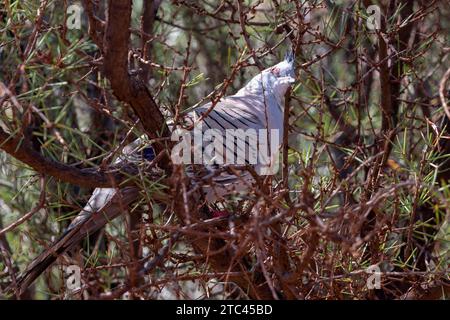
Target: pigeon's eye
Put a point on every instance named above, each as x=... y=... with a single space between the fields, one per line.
x=275 y=71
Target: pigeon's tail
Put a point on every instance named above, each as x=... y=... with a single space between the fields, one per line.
x=43 y=261
x=104 y=205
x=33 y=271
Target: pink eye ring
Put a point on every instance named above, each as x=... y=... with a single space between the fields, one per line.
x=275 y=71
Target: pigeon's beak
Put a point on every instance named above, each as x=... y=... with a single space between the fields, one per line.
x=286 y=80
x=284 y=83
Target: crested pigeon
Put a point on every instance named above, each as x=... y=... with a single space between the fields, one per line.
x=257 y=106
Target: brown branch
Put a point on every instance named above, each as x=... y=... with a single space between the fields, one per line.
x=128 y=89
x=21 y=149
x=96 y=26
x=242 y=22
x=287 y=103
x=435 y=291
x=385 y=84
x=219 y=256
x=401 y=46
x=148 y=21
x=391 y=74
x=442 y=93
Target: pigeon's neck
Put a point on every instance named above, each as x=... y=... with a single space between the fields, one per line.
x=268 y=95
x=274 y=99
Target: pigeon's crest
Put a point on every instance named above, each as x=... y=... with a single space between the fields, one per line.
x=274 y=80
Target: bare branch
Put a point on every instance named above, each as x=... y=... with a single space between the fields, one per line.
x=21 y=149
x=126 y=88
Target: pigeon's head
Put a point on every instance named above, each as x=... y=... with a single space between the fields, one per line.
x=274 y=80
